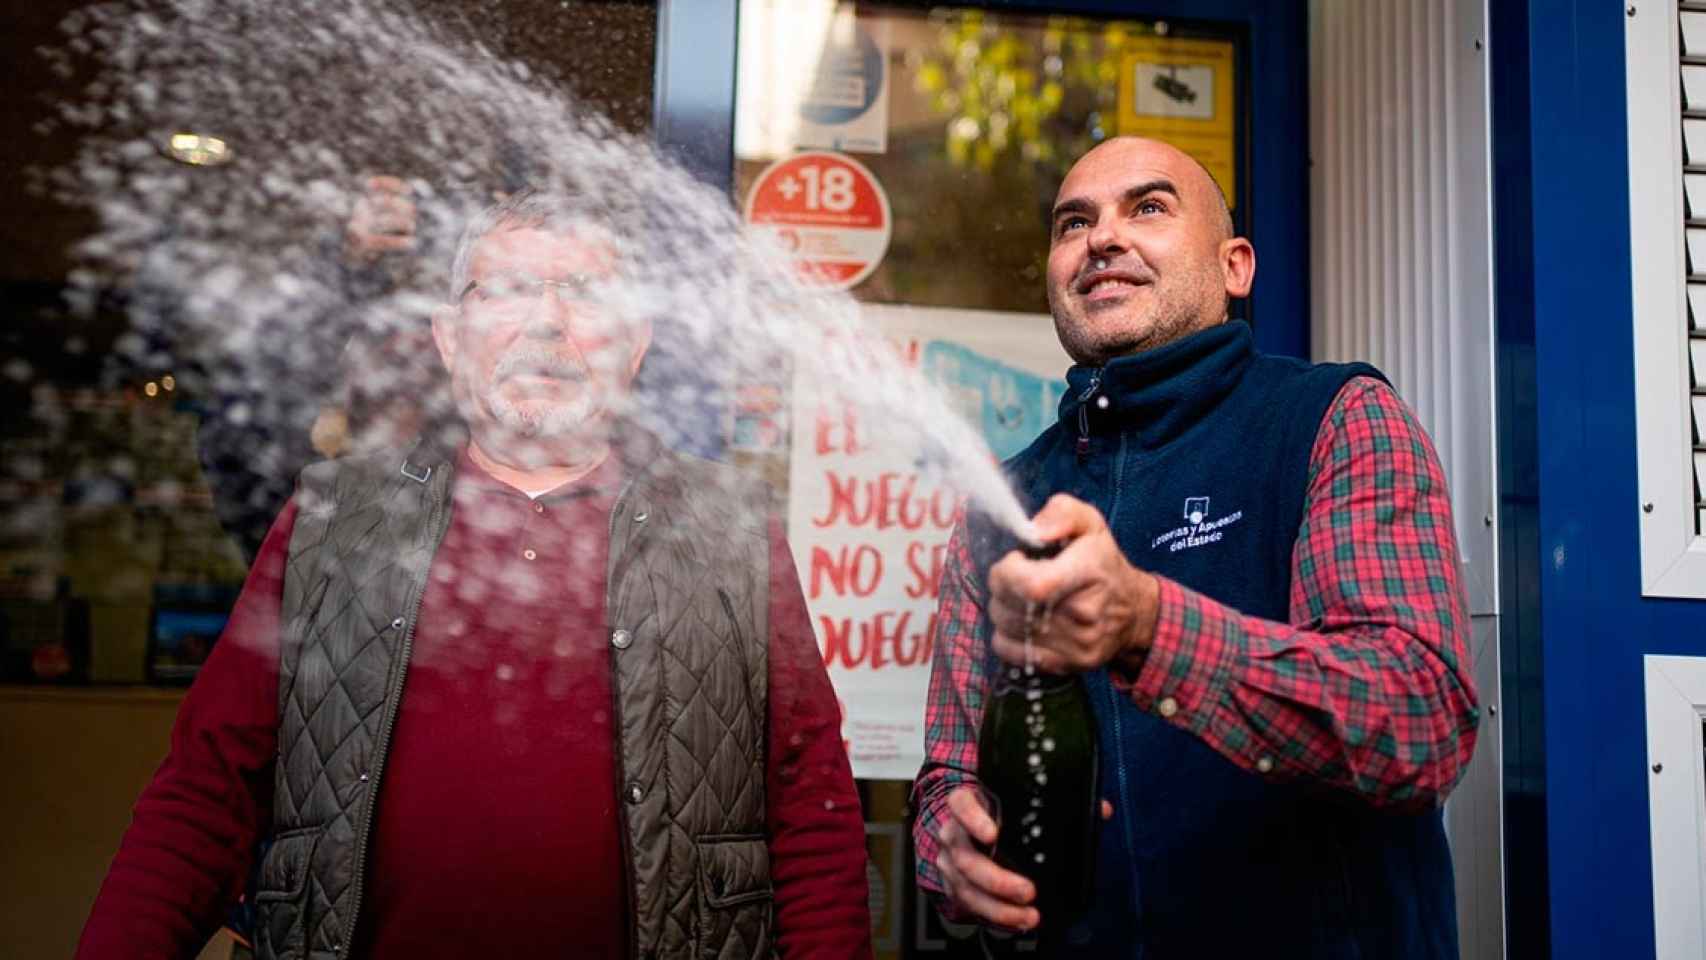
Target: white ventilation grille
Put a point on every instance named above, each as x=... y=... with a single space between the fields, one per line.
x=1692 y=38
x=1400 y=236
x=1665 y=47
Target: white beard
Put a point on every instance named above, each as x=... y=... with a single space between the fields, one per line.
x=532 y=417
x=541 y=420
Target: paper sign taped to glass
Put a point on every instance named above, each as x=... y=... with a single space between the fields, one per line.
x=847 y=107
x=814 y=75
x=869 y=525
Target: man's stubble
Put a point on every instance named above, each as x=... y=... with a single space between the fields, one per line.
x=1179 y=310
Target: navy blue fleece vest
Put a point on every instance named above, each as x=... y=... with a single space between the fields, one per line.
x=1198 y=455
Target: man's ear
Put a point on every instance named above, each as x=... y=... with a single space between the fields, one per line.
x=444 y=334
x=1238 y=262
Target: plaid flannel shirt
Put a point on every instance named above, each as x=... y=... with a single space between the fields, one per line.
x=1368 y=690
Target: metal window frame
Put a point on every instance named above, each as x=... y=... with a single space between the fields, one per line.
x=1673 y=553
x=1676 y=796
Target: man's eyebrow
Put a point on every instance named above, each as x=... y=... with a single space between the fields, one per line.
x=1131 y=194
x=1154 y=186
x=1073 y=205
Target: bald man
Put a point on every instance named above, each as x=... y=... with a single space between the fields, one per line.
x=1260 y=589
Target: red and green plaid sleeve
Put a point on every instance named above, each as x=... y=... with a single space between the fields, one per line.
x=953 y=706
x=1367 y=689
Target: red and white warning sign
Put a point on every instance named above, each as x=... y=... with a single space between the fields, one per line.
x=828 y=211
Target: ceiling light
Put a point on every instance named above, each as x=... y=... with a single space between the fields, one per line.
x=198 y=149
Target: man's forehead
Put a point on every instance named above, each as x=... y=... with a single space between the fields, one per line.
x=1118 y=164
x=539 y=250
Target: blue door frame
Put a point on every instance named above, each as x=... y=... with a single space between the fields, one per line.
x=1565 y=338
x=694 y=122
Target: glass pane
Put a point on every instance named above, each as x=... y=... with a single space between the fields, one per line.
x=911 y=156
x=969 y=119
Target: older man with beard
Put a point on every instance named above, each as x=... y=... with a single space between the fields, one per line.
x=1260 y=589
x=549 y=691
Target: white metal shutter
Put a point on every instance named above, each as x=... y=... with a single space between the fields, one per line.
x=1665 y=44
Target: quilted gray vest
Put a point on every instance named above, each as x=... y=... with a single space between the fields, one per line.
x=687 y=599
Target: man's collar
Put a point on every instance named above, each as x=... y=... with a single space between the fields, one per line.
x=604 y=479
x=1160 y=393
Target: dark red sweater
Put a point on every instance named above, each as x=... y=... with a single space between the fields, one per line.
x=496 y=832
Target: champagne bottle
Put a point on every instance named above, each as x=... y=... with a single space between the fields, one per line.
x=1037 y=759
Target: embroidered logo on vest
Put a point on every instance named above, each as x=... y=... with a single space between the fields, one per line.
x=1200 y=530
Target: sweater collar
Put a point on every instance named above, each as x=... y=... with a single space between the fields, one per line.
x=604 y=480
x=632 y=452
x=1158 y=394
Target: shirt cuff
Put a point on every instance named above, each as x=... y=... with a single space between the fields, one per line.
x=1186 y=673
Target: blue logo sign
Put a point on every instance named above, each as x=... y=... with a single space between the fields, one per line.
x=849 y=77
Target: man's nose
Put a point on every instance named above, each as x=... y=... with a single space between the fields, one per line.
x=548 y=315
x=1105 y=237
x=561 y=321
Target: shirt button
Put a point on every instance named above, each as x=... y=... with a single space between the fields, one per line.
x=621 y=639
x=1102 y=403
x=1264 y=765
x=538 y=507
x=635 y=794
x=1167 y=707
x=529 y=554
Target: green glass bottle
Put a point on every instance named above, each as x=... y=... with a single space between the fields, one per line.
x=1037 y=756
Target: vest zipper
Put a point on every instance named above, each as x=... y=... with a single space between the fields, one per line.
x=616 y=739
x=392 y=700
x=1083 y=445
x=1125 y=796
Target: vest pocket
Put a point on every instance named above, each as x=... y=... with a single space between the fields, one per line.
x=281 y=902
x=733 y=914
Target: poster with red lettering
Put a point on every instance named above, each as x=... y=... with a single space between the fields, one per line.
x=869 y=531
x=827 y=211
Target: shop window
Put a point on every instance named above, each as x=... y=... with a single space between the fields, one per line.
x=122 y=546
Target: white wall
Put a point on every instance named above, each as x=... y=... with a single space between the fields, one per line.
x=1401 y=276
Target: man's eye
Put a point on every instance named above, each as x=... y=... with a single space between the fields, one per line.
x=1151 y=206
x=1073 y=223
x=577 y=287
x=505 y=289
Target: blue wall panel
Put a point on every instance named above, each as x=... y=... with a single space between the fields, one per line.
x=1596 y=625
